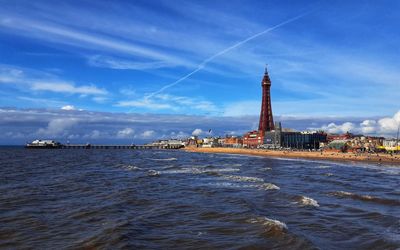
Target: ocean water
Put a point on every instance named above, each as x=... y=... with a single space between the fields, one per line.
x=150 y=199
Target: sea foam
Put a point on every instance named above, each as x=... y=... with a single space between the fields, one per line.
x=269 y=224
x=242 y=178
x=307 y=202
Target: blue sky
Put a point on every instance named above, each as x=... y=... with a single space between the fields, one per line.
x=199 y=58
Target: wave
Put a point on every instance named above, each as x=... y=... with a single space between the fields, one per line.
x=263 y=186
x=165 y=159
x=270 y=225
x=343 y=194
x=199 y=171
x=266 y=169
x=307 y=202
x=328 y=174
x=268 y=186
x=226 y=184
x=323 y=167
x=242 y=178
x=131 y=167
x=223 y=170
x=232 y=165
x=153 y=173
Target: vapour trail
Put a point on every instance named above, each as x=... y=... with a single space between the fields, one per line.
x=206 y=61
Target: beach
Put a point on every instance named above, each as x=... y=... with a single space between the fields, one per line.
x=318 y=155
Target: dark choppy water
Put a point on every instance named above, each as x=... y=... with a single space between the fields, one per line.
x=113 y=199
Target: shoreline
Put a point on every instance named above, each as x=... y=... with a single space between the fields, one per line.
x=331 y=156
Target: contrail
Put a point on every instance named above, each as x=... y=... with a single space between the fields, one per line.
x=206 y=61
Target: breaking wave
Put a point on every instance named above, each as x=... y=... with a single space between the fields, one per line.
x=153 y=173
x=270 y=225
x=199 y=171
x=242 y=178
x=165 y=159
x=307 y=201
x=343 y=194
x=263 y=186
x=131 y=167
x=268 y=186
x=323 y=167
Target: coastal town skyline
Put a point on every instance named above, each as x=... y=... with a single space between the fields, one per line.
x=80 y=72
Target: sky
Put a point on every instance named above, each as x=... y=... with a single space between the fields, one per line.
x=133 y=71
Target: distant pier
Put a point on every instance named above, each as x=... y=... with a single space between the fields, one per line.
x=51 y=144
x=85 y=146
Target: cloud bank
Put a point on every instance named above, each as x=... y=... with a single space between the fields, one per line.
x=18 y=126
x=387 y=126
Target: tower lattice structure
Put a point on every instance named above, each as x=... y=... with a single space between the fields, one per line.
x=266 y=118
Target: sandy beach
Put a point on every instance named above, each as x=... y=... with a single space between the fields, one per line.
x=364 y=157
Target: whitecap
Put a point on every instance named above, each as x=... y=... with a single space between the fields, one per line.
x=270 y=224
x=223 y=170
x=323 y=167
x=225 y=184
x=199 y=171
x=232 y=165
x=131 y=167
x=165 y=159
x=153 y=173
x=242 y=178
x=307 y=201
x=268 y=186
x=342 y=193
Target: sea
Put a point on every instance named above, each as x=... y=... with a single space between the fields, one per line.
x=171 y=199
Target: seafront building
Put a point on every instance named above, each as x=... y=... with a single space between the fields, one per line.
x=278 y=138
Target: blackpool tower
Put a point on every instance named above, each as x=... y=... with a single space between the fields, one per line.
x=266 y=119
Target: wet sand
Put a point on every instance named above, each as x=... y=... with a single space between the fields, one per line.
x=362 y=157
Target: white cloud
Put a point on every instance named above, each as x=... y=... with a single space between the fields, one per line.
x=197 y=132
x=179 y=135
x=94 y=134
x=65 y=35
x=368 y=126
x=125 y=133
x=68 y=107
x=73 y=137
x=389 y=124
x=35 y=80
x=57 y=127
x=145 y=103
x=114 y=63
x=147 y=134
x=385 y=126
x=64 y=87
x=171 y=102
x=339 y=128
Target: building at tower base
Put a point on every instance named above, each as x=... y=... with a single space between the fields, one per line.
x=279 y=138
